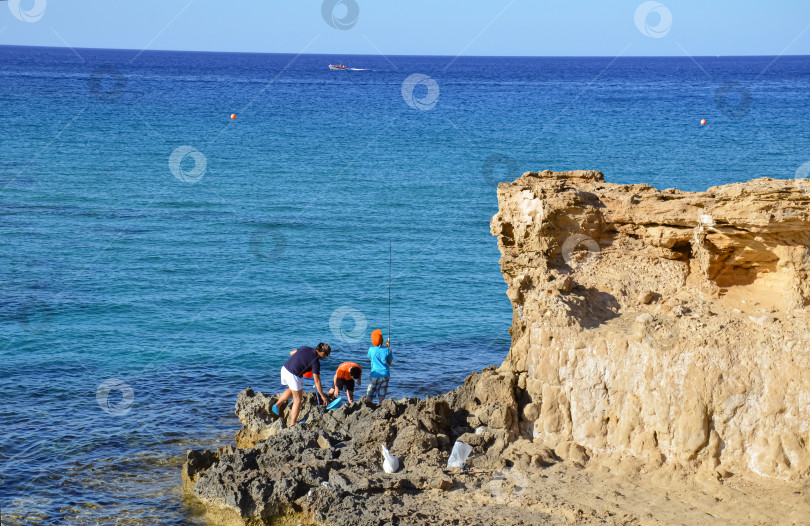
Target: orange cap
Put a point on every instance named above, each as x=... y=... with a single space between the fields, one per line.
x=376 y=338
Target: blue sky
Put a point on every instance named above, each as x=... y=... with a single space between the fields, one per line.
x=474 y=27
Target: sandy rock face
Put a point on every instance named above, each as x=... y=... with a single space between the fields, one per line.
x=664 y=325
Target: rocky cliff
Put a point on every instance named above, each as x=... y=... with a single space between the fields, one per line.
x=661 y=325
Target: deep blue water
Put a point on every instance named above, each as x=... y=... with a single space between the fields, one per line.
x=178 y=294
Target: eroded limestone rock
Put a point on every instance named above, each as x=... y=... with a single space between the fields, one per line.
x=682 y=338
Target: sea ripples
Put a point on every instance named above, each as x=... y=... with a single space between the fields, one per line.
x=134 y=306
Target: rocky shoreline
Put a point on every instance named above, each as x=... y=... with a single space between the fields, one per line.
x=329 y=470
x=658 y=374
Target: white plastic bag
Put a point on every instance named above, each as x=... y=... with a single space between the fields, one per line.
x=391 y=463
x=459 y=455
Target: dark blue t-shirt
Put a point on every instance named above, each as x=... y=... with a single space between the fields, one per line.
x=303 y=361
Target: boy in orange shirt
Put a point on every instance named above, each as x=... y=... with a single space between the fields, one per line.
x=345 y=377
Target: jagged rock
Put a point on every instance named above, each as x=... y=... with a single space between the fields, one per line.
x=324 y=442
x=275 y=467
x=762 y=319
x=532 y=453
x=572 y=451
x=260 y=423
x=411 y=440
x=645 y=297
x=197 y=461
x=442 y=483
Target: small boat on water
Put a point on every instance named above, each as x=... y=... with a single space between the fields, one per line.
x=337 y=67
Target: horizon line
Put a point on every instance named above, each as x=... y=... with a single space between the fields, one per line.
x=387 y=54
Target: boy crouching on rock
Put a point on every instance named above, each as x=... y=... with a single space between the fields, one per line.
x=345 y=378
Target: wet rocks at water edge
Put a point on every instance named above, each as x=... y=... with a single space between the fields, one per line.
x=329 y=470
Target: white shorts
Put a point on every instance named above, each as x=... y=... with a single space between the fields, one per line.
x=296 y=383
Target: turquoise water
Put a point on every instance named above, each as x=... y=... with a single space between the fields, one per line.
x=139 y=294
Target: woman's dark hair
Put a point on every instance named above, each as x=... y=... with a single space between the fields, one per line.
x=324 y=348
x=355 y=372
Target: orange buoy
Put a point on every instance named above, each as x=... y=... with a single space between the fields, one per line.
x=703 y=122
x=233 y=116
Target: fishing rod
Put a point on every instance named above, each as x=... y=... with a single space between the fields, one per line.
x=390 y=259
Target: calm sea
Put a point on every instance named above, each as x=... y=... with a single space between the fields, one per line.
x=157 y=256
